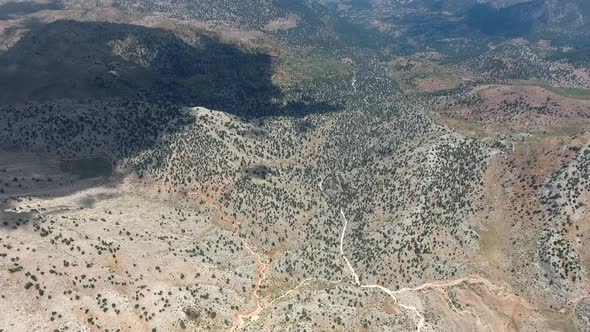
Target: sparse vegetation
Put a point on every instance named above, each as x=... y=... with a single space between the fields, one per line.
x=195 y=174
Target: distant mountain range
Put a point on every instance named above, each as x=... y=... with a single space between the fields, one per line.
x=512 y=17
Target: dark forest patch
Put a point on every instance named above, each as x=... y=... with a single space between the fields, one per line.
x=258 y=171
x=88 y=167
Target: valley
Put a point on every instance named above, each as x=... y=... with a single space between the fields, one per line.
x=293 y=166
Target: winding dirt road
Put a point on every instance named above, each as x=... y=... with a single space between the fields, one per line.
x=240 y=315
x=473 y=279
x=421 y=320
x=253 y=313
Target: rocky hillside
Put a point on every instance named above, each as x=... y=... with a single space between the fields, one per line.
x=293 y=165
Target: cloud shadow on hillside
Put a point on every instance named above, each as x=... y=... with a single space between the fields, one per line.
x=75 y=90
x=97 y=60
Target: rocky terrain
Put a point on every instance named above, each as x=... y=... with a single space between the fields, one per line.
x=289 y=166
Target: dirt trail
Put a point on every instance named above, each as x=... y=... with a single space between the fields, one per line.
x=430 y=285
x=240 y=315
x=253 y=313
x=421 y=320
x=473 y=279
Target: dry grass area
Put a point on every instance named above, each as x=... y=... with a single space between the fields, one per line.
x=513 y=223
x=420 y=74
x=504 y=109
x=534 y=221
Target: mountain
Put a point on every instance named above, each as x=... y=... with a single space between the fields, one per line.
x=559 y=21
x=305 y=165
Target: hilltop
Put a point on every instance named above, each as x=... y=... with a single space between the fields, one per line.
x=293 y=165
